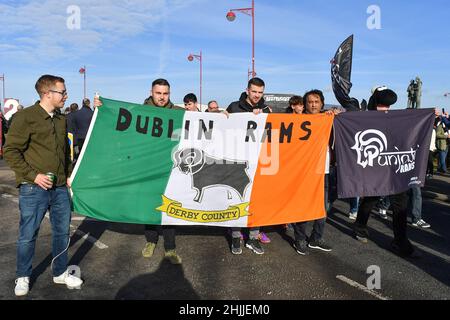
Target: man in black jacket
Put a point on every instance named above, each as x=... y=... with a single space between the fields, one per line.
x=250 y=101
x=81 y=121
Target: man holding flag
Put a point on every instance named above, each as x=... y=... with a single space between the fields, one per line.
x=159 y=98
x=381 y=100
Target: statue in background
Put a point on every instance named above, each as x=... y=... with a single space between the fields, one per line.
x=411 y=96
x=418 y=91
x=414 y=93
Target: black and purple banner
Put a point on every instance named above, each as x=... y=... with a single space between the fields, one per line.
x=382 y=153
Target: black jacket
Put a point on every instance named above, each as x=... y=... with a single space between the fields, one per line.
x=80 y=122
x=243 y=106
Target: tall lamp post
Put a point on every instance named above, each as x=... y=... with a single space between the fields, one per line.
x=250 y=12
x=198 y=57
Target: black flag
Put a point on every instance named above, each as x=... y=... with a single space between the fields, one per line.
x=341 y=69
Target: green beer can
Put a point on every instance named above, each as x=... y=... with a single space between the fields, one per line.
x=52 y=177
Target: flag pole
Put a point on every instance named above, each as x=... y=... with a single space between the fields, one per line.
x=84 y=76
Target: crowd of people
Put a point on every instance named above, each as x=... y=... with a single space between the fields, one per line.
x=36 y=144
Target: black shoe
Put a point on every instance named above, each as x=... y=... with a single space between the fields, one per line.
x=236 y=246
x=301 y=247
x=319 y=244
x=255 y=246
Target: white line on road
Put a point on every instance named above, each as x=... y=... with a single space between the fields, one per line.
x=90 y=238
x=10 y=197
x=78 y=218
x=431 y=251
x=361 y=287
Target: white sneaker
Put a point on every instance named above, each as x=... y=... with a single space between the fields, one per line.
x=71 y=281
x=22 y=286
x=352 y=215
x=383 y=214
x=421 y=224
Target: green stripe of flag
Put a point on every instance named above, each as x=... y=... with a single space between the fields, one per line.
x=127 y=162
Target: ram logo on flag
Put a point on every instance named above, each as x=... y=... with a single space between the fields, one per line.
x=152 y=165
x=207 y=171
x=371 y=148
x=381 y=153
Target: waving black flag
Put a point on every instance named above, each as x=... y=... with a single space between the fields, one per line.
x=341 y=69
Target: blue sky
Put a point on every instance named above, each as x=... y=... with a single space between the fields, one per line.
x=127 y=44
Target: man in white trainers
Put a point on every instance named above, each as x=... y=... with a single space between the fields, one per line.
x=37 y=151
x=415 y=206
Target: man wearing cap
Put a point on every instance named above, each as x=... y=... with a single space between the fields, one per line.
x=381 y=100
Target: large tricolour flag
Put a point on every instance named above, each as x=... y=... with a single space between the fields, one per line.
x=152 y=165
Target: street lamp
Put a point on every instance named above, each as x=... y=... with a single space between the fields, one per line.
x=250 y=12
x=199 y=57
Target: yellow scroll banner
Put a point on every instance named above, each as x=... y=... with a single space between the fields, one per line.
x=175 y=209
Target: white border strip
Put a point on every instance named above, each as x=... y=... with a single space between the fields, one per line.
x=361 y=287
x=86 y=142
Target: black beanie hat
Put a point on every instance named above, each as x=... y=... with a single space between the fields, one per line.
x=382 y=95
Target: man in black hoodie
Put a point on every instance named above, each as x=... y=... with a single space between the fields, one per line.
x=250 y=101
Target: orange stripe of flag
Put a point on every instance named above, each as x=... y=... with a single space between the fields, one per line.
x=289 y=181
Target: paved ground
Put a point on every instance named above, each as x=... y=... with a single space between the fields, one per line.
x=109 y=255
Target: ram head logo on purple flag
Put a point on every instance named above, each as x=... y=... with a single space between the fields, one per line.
x=369 y=145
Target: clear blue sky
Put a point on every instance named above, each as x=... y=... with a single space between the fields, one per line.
x=127 y=44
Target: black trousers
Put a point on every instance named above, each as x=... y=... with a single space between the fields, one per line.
x=399 y=203
x=316 y=234
x=430 y=167
x=152 y=234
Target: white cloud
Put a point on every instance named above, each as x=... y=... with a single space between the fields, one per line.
x=38 y=31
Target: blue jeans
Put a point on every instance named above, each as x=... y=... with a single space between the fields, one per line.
x=416 y=202
x=33 y=203
x=442 y=166
x=384 y=203
x=354 y=204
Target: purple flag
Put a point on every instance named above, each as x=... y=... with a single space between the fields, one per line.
x=382 y=153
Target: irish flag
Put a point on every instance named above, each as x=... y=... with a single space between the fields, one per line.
x=152 y=165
